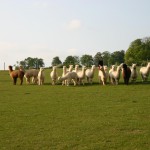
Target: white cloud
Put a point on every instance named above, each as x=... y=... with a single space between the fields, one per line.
x=74 y=24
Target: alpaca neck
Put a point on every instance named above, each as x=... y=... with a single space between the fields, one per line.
x=10 y=70
x=118 y=73
x=148 y=69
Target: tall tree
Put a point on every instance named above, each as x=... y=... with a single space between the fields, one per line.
x=32 y=62
x=70 y=60
x=86 y=60
x=138 y=51
x=56 y=61
x=106 y=57
x=117 y=57
x=97 y=57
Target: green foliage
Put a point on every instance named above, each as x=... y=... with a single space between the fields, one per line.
x=117 y=57
x=32 y=63
x=138 y=51
x=86 y=60
x=56 y=61
x=106 y=58
x=97 y=57
x=70 y=60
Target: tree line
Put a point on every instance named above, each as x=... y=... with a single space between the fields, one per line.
x=138 y=52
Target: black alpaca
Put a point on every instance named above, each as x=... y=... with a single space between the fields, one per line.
x=126 y=72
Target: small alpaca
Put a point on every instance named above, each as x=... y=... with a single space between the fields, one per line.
x=41 y=76
x=126 y=73
x=90 y=74
x=102 y=75
x=14 y=74
x=69 y=77
x=31 y=73
x=144 y=71
x=134 y=73
x=81 y=75
x=54 y=75
x=114 y=76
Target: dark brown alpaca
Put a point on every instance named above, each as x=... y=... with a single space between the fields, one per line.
x=126 y=72
x=14 y=74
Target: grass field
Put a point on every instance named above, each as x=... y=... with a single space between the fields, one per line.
x=89 y=117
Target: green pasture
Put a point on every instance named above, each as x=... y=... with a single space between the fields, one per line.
x=89 y=117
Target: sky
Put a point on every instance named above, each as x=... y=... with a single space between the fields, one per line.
x=49 y=28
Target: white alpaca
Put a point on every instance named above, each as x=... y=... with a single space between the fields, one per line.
x=144 y=71
x=63 y=74
x=102 y=75
x=115 y=75
x=81 y=75
x=32 y=73
x=41 y=76
x=134 y=73
x=113 y=67
x=68 y=77
x=89 y=73
x=106 y=72
x=54 y=75
x=70 y=68
x=76 y=68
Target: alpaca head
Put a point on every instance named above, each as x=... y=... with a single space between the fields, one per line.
x=64 y=67
x=59 y=78
x=93 y=67
x=54 y=68
x=41 y=69
x=105 y=68
x=124 y=66
x=133 y=66
x=10 y=68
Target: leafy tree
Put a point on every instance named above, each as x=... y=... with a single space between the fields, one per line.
x=117 y=57
x=97 y=57
x=77 y=60
x=138 y=51
x=56 y=61
x=86 y=60
x=70 y=60
x=106 y=57
x=32 y=62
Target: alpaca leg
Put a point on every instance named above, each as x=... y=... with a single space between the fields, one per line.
x=15 y=80
x=21 y=79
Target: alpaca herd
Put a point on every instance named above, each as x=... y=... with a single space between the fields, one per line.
x=78 y=76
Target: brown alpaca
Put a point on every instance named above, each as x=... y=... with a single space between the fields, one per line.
x=14 y=74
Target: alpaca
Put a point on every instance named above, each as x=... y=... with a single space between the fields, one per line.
x=31 y=73
x=126 y=73
x=113 y=67
x=81 y=75
x=89 y=73
x=106 y=72
x=14 y=74
x=144 y=71
x=134 y=73
x=68 y=77
x=114 y=76
x=70 y=68
x=102 y=75
x=41 y=76
x=53 y=75
x=63 y=74
x=76 y=68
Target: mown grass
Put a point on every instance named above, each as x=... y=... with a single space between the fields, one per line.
x=90 y=117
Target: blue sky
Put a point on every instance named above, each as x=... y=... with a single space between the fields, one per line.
x=50 y=28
